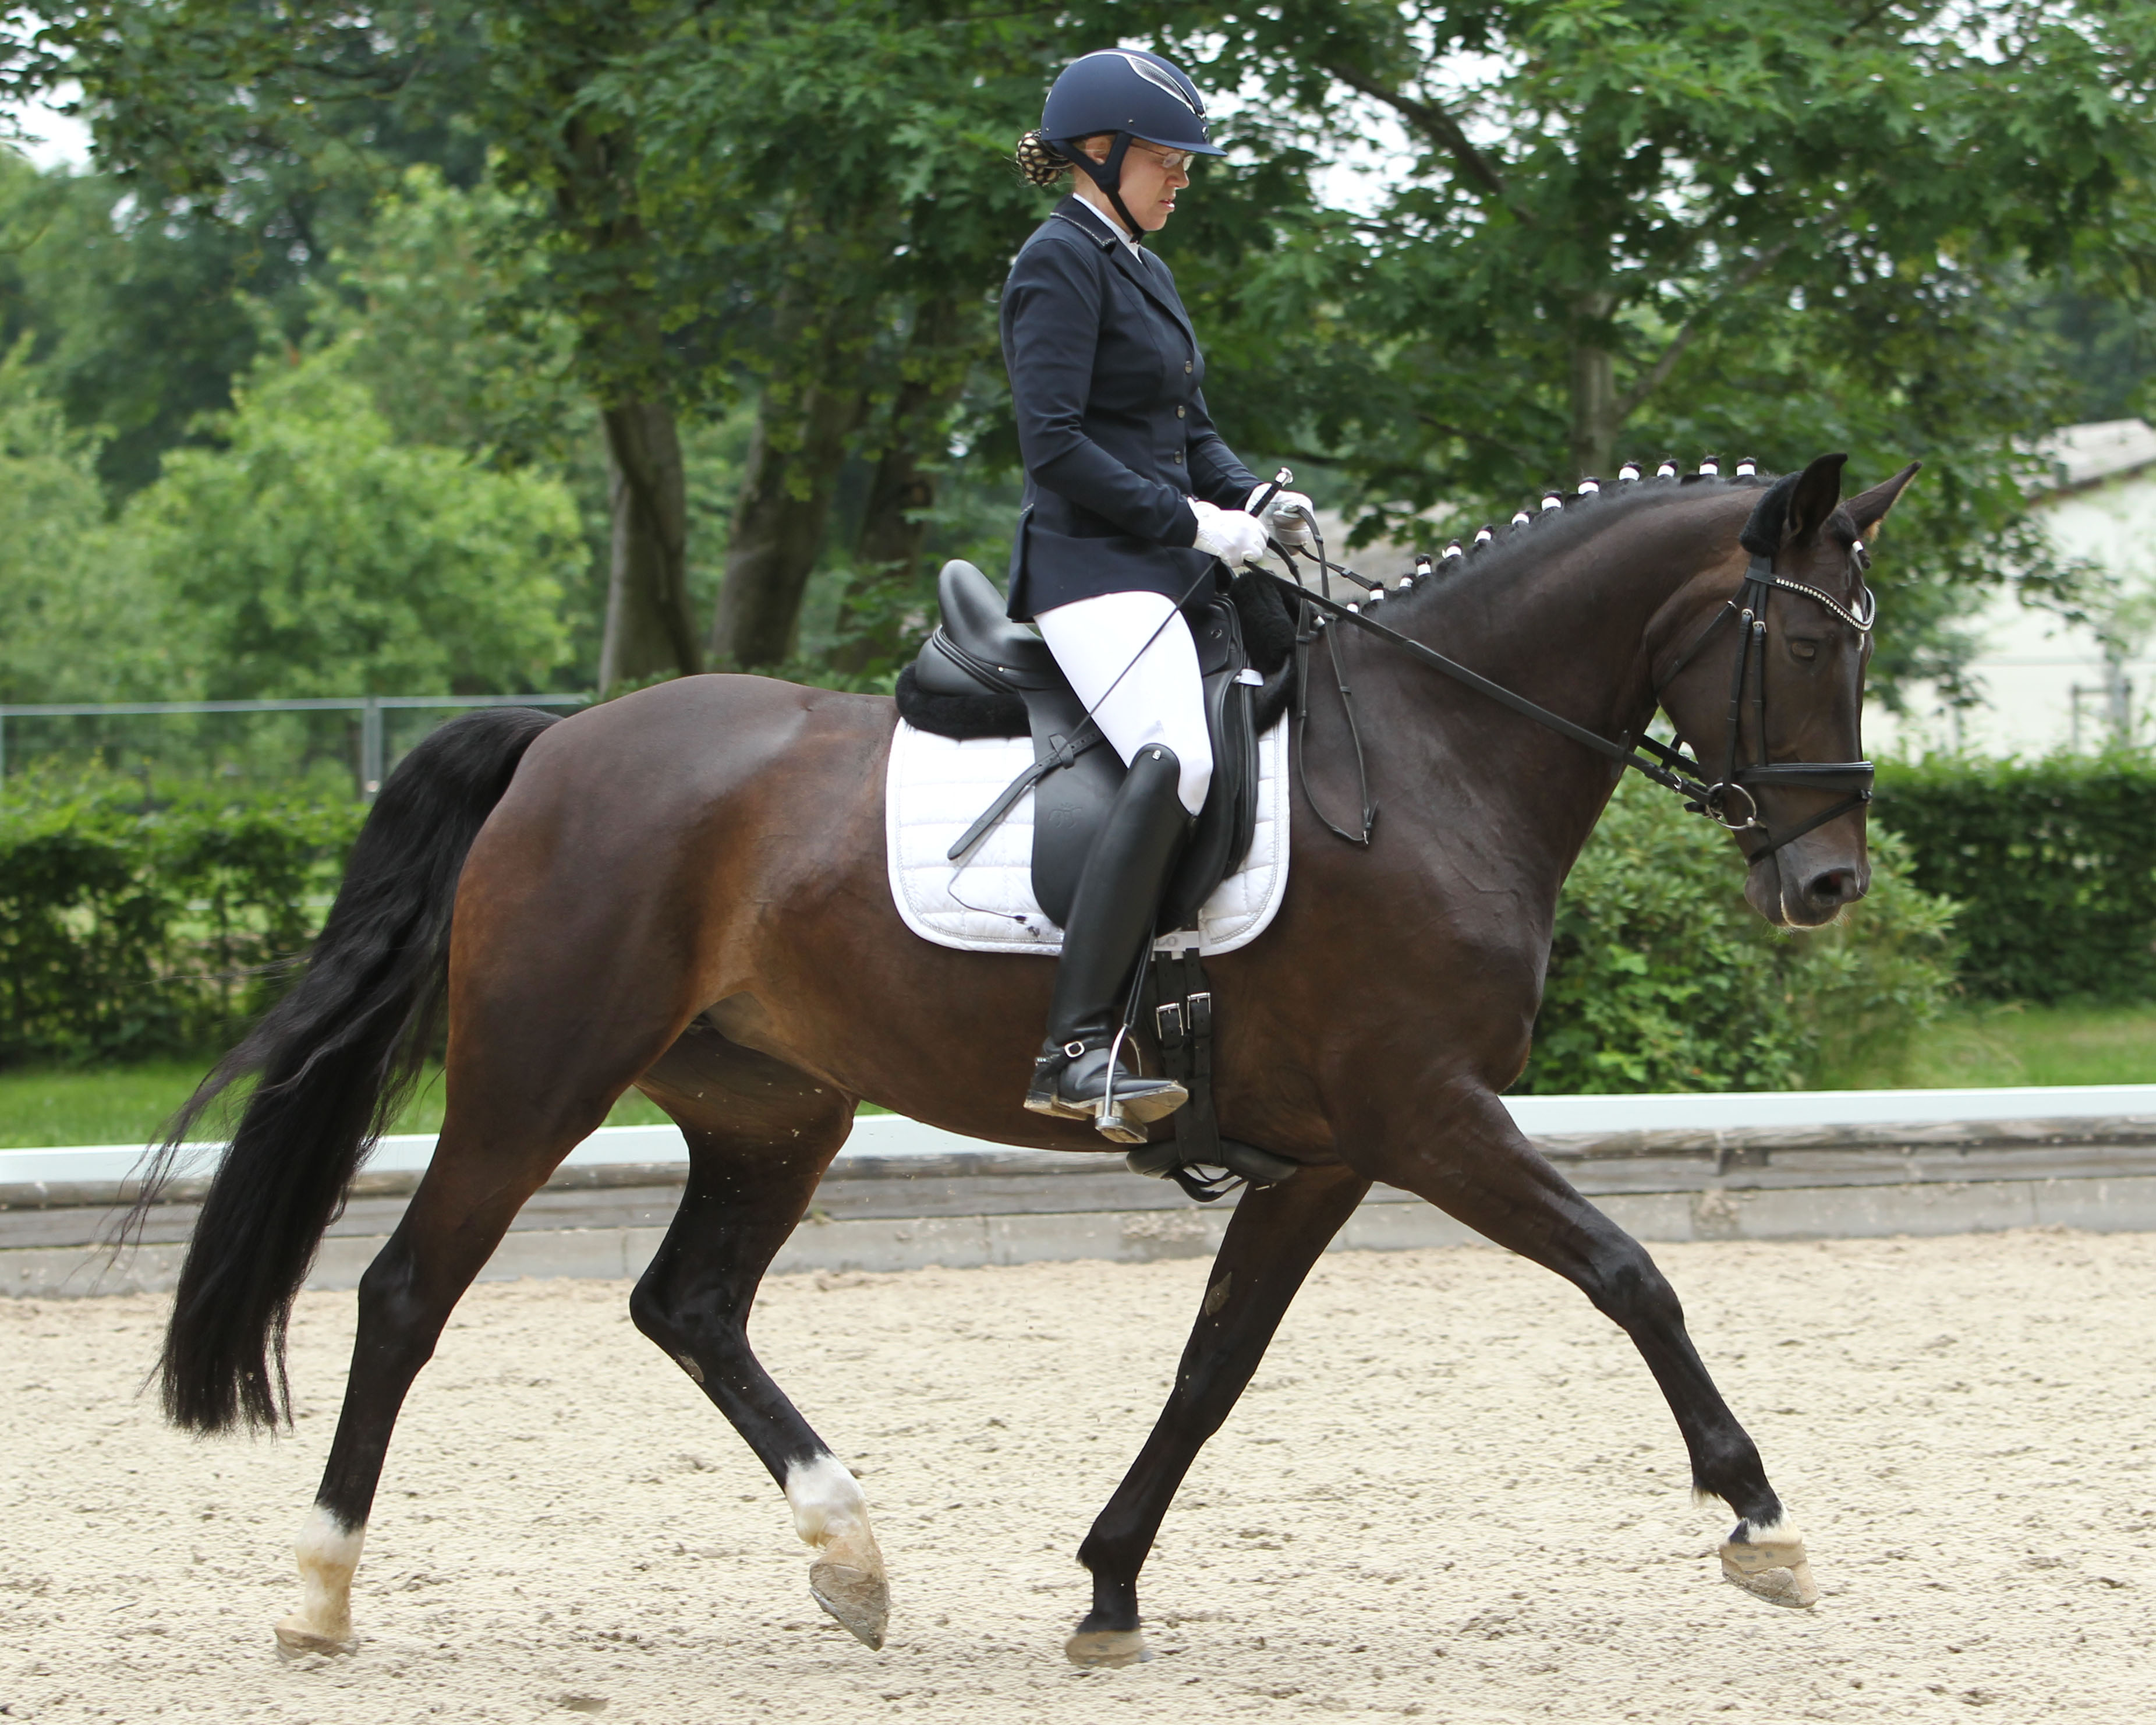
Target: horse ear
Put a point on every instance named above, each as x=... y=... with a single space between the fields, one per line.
x=1869 y=508
x=1817 y=494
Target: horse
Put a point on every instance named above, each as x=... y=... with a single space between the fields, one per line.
x=683 y=891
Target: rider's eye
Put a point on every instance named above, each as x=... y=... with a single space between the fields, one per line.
x=1804 y=650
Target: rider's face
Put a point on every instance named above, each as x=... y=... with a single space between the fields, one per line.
x=1153 y=174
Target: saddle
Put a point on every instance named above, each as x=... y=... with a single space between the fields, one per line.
x=981 y=675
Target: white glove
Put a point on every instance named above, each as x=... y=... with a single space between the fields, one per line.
x=1289 y=518
x=1228 y=534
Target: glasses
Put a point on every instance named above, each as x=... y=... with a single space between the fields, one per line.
x=1175 y=162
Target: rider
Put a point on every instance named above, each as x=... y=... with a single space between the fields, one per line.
x=1132 y=501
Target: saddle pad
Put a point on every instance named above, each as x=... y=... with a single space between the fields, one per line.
x=938 y=786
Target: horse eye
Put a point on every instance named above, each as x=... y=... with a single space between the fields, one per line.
x=1804 y=650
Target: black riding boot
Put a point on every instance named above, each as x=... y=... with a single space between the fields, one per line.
x=1111 y=924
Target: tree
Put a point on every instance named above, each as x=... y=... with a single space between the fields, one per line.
x=1669 y=225
x=315 y=555
x=80 y=622
x=849 y=163
x=197 y=101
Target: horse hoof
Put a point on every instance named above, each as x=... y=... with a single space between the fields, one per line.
x=1769 y=1563
x=859 y=1598
x=1108 y=1648
x=295 y=1636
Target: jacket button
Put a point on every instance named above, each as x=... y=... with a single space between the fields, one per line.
x=1179 y=458
x=1186 y=367
x=1179 y=413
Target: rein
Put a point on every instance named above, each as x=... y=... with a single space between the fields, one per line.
x=1668 y=766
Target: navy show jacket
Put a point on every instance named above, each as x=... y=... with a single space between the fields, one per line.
x=1105 y=373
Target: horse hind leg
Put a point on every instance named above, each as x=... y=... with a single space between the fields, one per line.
x=1275 y=1235
x=760 y=1136
x=524 y=1088
x=478 y=1181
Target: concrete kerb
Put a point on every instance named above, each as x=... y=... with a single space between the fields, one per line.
x=1782 y=1166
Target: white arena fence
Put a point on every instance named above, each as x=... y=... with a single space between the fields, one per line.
x=1800 y=1164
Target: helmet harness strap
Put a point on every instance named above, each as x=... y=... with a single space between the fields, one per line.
x=1108 y=176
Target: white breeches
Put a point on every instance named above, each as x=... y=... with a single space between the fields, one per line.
x=1160 y=699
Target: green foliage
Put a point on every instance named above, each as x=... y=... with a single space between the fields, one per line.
x=1662 y=978
x=315 y=555
x=125 y=934
x=1780 y=229
x=79 y=623
x=2054 y=861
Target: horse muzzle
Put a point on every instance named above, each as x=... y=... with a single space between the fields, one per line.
x=1809 y=882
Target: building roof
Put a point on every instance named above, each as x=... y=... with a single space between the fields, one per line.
x=2086 y=455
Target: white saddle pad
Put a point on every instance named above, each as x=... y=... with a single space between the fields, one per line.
x=937 y=789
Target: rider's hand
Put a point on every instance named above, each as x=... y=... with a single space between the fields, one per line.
x=1289 y=518
x=1228 y=534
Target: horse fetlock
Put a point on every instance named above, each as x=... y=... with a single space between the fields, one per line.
x=328 y=1552
x=847 y=1579
x=1767 y=1560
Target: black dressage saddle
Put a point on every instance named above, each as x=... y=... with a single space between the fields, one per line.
x=981 y=675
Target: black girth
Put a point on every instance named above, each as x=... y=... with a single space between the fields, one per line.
x=1666 y=765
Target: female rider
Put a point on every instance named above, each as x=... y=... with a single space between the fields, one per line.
x=1132 y=502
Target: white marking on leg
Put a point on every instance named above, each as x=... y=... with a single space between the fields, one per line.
x=826 y=1500
x=831 y=1516
x=328 y=1551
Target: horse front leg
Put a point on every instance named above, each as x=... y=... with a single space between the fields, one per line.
x=1477 y=1166
x=1275 y=1235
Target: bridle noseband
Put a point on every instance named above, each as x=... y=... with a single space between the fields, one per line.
x=1748 y=675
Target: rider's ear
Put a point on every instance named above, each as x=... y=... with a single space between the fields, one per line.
x=1869 y=509
x=1818 y=490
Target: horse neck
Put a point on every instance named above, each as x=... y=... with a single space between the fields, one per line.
x=1570 y=631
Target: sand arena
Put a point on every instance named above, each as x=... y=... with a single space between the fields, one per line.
x=1452 y=1493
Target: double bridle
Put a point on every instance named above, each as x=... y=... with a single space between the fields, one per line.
x=1665 y=763
x=1748 y=675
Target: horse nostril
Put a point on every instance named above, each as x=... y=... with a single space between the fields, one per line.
x=1832 y=886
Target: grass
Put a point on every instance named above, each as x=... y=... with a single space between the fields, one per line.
x=130 y=1105
x=1983 y=1046
x=1979 y=1047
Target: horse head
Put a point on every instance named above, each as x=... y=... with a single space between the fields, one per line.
x=1770 y=688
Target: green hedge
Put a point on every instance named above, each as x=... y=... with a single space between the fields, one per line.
x=2054 y=862
x=127 y=933
x=1661 y=978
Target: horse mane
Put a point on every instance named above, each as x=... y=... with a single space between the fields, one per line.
x=1511 y=550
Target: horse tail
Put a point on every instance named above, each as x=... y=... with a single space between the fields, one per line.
x=336 y=1058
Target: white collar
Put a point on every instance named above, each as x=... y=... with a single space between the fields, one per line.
x=1115 y=227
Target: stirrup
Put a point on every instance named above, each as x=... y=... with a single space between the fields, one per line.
x=1127 y=1100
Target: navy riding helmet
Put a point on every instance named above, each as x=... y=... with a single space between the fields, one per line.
x=1132 y=93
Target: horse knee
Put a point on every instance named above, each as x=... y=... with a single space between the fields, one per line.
x=653 y=1309
x=684 y=1322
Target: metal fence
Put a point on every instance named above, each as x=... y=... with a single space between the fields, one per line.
x=371 y=763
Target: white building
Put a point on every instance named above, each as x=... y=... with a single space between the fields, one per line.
x=2047 y=684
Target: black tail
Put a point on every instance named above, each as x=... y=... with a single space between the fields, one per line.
x=337 y=1056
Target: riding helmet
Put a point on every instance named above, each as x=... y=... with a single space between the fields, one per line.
x=1127 y=91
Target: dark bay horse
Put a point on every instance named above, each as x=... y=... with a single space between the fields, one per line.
x=685 y=891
